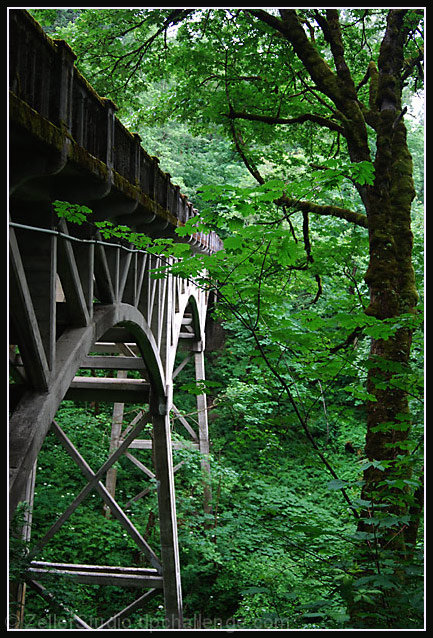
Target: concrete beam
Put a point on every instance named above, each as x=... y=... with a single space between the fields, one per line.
x=108 y=389
x=97 y=574
x=113 y=363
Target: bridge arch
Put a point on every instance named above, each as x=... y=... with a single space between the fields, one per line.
x=35 y=411
x=189 y=321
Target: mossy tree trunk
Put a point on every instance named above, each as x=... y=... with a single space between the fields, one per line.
x=390 y=273
x=391 y=281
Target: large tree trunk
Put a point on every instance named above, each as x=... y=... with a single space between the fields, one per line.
x=390 y=273
x=391 y=280
x=390 y=277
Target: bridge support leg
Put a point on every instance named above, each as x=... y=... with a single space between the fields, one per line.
x=17 y=592
x=116 y=430
x=203 y=432
x=167 y=520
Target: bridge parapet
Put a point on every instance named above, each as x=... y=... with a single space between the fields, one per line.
x=43 y=75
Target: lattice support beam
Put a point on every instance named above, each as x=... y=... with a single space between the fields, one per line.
x=116 y=430
x=114 y=621
x=50 y=598
x=203 y=431
x=108 y=389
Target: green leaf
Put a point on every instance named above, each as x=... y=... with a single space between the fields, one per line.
x=378 y=465
x=199 y=387
x=233 y=244
x=74 y=213
x=360 y=393
x=389 y=426
x=336 y=484
x=254 y=590
x=363 y=172
x=180 y=250
x=310 y=530
x=183 y=231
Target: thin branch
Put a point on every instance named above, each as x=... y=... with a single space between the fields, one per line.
x=236 y=137
x=173 y=18
x=120 y=34
x=289 y=395
x=319 y=288
x=307 y=246
x=351 y=339
x=320 y=72
x=302 y=421
x=248 y=256
x=324 y=409
x=365 y=79
x=317 y=97
x=292 y=230
x=328 y=385
x=351 y=276
x=260 y=284
x=238 y=144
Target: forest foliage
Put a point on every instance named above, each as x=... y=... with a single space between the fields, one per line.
x=304 y=522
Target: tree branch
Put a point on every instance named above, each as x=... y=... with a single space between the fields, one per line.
x=307 y=246
x=256 y=323
x=237 y=141
x=318 y=209
x=268 y=19
x=173 y=18
x=336 y=43
x=411 y=63
x=321 y=73
x=279 y=377
x=300 y=119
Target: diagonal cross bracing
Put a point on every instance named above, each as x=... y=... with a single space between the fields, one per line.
x=94 y=483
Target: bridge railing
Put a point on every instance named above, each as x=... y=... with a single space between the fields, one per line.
x=32 y=65
x=42 y=73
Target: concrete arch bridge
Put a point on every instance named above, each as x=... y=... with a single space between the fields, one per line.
x=79 y=303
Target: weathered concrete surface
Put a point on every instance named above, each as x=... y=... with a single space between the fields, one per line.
x=32 y=418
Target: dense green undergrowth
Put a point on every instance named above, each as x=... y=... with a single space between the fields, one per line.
x=275 y=552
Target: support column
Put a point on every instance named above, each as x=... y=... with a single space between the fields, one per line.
x=167 y=519
x=203 y=432
x=116 y=430
x=17 y=592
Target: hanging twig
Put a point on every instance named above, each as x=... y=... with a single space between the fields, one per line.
x=324 y=410
x=307 y=245
x=260 y=284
